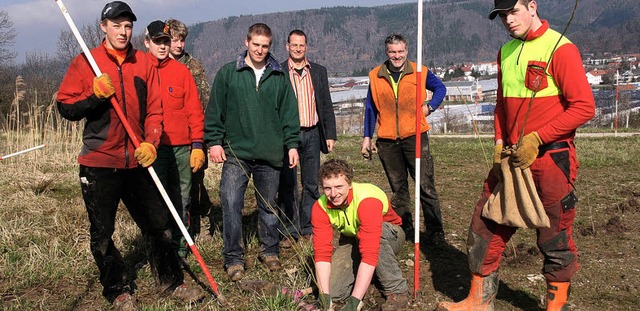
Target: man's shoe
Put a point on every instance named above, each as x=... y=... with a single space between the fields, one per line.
x=436 y=239
x=395 y=302
x=286 y=242
x=557 y=295
x=481 y=295
x=124 y=302
x=188 y=294
x=235 y=272
x=271 y=262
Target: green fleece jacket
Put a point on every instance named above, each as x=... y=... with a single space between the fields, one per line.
x=252 y=123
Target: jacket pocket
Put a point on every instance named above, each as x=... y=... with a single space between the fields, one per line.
x=536 y=78
x=176 y=97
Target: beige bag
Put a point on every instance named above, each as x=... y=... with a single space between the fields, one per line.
x=514 y=201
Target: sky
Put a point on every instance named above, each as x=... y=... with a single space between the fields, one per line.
x=39 y=22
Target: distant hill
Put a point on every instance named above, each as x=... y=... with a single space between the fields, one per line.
x=350 y=39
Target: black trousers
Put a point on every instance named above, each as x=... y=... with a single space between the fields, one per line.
x=398 y=160
x=102 y=190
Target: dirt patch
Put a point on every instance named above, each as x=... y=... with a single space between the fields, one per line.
x=522 y=253
x=615 y=225
x=630 y=204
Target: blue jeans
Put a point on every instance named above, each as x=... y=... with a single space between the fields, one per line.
x=297 y=217
x=235 y=178
x=174 y=171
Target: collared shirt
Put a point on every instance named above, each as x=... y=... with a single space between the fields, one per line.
x=303 y=89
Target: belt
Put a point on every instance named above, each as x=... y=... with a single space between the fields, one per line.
x=553 y=146
x=306 y=129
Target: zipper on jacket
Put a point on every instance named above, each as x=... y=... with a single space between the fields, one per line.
x=397 y=120
x=124 y=112
x=393 y=82
x=520 y=53
x=345 y=217
x=257 y=80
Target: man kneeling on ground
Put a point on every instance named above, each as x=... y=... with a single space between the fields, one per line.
x=366 y=221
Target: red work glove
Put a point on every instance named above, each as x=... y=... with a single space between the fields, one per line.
x=527 y=151
x=145 y=154
x=103 y=87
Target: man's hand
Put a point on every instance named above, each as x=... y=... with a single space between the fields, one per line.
x=366 y=148
x=426 y=109
x=330 y=144
x=293 y=158
x=145 y=154
x=527 y=152
x=197 y=159
x=353 y=304
x=103 y=87
x=216 y=153
x=325 y=301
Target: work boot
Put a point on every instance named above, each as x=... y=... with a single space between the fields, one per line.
x=395 y=302
x=235 y=272
x=557 y=296
x=407 y=227
x=287 y=242
x=187 y=294
x=483 y=291
x=124 y=302
x=272 y=262
x=436 y=239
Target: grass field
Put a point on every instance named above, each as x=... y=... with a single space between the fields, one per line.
x=45 y=261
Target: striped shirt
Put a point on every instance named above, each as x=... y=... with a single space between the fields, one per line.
x=303 y=89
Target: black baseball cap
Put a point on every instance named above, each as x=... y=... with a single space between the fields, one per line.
x=117 y=8
x=501 y=5
x=157 y=29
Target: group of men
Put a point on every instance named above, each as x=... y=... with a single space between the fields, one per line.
x=264 y=118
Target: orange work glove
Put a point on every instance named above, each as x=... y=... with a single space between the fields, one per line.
x=103 y=87
x=497 y=158
x=197 y=159
x=145 y=154
x=527 y=152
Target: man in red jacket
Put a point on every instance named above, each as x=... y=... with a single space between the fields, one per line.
x=111 y=168
x=370 y=238
x=200 y=202
x=543 y=96
x=181 y=146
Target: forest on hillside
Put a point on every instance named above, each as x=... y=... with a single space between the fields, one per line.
x=350 y=39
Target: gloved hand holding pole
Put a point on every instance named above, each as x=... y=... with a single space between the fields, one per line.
x=136 y=143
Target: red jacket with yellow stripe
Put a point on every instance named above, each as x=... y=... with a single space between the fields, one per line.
x=563 y=100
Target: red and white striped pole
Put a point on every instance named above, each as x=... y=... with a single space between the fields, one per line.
x=615 y=120
x=419 y=100
x=21 y=152
x=136 y=143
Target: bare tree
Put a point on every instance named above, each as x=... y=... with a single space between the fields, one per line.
x=68 y=46
x=7 y=37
